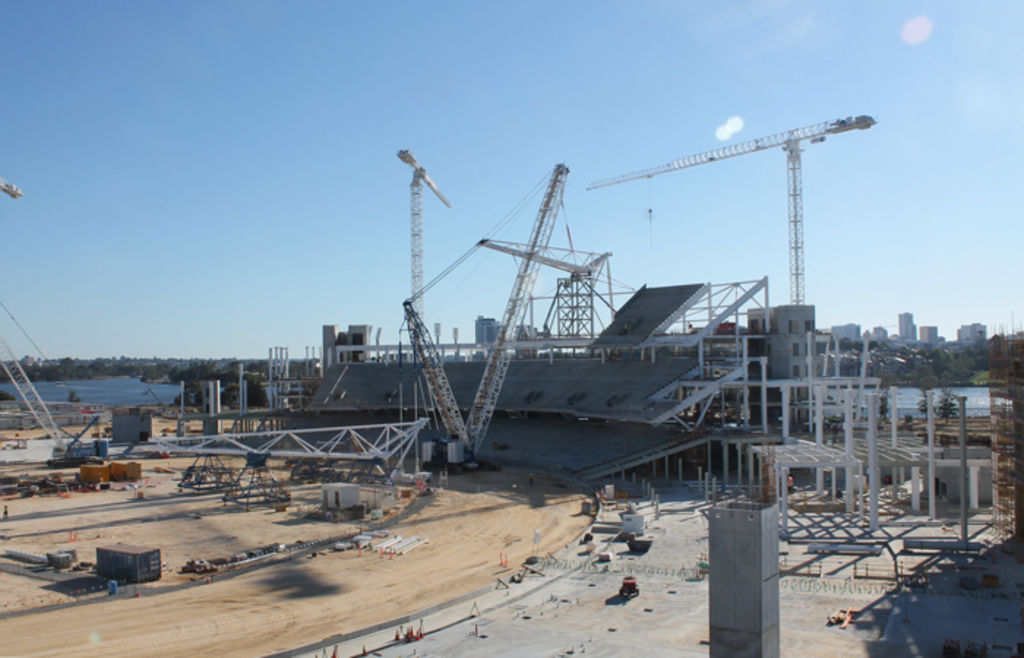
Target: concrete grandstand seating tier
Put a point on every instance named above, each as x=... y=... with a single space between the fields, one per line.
x=617 y=388
x=645 y=311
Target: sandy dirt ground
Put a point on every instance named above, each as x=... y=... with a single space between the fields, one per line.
x=274 y=607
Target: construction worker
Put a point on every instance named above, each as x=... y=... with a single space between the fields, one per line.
x=5 y=512
x=531 y=484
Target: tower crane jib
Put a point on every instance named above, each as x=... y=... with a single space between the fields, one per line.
x=790 y=142
x=10 y=189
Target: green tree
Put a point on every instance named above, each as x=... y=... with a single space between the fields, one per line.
x=947 y=406
x=922 y=403
x=5 y=396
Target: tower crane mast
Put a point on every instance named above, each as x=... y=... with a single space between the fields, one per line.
x=790 y=143
x=497 y=362
x=419 y=176
x=16 y=373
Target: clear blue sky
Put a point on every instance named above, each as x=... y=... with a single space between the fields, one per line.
x=213 y=178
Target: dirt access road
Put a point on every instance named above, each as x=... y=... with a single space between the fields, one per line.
x=304 y=600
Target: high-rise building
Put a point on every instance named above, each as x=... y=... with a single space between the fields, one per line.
x=849 y=331
x=879 y=334
x=972 y=333
x=908 y=331
x=929 y=335
x=486 y=330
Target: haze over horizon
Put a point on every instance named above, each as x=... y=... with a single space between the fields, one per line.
x=217 y=178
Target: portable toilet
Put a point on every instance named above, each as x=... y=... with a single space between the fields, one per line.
x=632 y=522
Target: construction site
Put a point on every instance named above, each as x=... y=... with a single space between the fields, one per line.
x=680 y=470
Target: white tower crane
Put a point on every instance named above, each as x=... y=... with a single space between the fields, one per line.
x=9 y=364
x=10 y=189
x=790 y=143
x=419 y=176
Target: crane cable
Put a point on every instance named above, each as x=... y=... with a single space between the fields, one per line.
x=38 y=349
x=502 y=223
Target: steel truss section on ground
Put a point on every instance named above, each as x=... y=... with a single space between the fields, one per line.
x=256 y=484
x=388 y=441
x=207 y=473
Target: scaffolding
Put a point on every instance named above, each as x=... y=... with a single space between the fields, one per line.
x=1006 y=382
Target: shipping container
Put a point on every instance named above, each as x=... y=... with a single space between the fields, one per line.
x=94 y=473
x=125 y=471
x=338 y=495
x=117 y=470
x=128 y=564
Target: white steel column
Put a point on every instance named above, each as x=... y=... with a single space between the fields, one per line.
x=764 y=394
x=931 y=454
x=819 y=434
x=784 y=483
x=915 y=488
x=746 y=387
x=848 y=445
x=873 y=461
x=810 y=382
x=725 y=463
x=894 y=417
x=973 y=486
x=785 y=411
x=865 y=356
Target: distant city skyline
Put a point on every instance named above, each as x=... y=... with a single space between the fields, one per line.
x=218 y=178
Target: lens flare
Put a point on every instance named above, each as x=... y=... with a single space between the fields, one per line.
x=916 y=30
x=729 y=128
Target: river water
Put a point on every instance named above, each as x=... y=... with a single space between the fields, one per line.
x=128 y=392
x=977 y=400
x=118 y=391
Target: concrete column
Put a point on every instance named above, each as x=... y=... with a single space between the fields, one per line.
x=785 y=411
x=873 y=461
x=973 y=484
x=743 y=596
x=915 y=488
x=668 y=475
x=931 y=454
x=848 y=445
x=680 y=460
x=819 y=435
